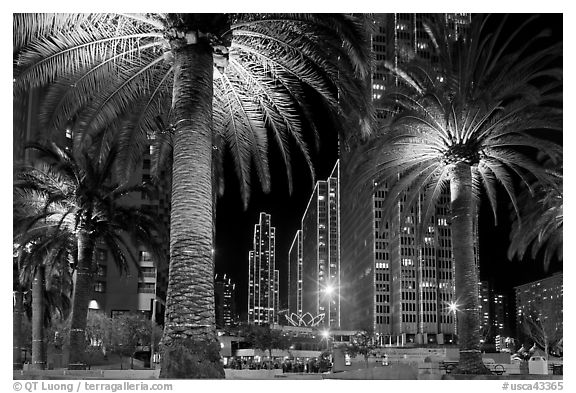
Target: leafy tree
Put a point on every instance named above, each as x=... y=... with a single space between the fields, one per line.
x=194 y=85
x=129 y=332
x=79 y=197
x=472 y=121
x=361 y=343
x=264 y=338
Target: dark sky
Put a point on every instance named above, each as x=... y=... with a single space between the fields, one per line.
x=234 y=226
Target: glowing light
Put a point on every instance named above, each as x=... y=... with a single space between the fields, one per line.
x=329 y=289
x=325 y=333
x=453 y=307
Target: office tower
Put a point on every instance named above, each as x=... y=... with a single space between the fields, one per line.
x=320 y=242
x=262 y=277
x=494 y=315
x=501 y=315
x=295 y=275
x=395 y=283
x=225 y=302
x=542 y=299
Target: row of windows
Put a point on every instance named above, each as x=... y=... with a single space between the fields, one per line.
x=408 y=318
x=409 y=296
x=383 y=319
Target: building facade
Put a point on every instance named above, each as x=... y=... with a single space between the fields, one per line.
x=542 y=299
x=320 y=243
x=263 y=279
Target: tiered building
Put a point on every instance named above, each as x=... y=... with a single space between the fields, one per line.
x=263 y=278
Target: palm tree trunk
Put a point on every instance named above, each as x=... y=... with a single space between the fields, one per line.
x=190 y=296
x=80 y=300
x=38 y=341
x=17 y=327
x=466 y=280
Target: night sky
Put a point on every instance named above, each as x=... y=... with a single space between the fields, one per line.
x=235 y=226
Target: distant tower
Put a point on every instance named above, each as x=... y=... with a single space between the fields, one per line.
x=262 y=276
x=320 y=292
x=225 y=301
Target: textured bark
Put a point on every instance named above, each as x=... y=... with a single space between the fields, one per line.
x=466 y=280
x=17 y=328
x=38 y=335
x=190 y=296
x=81 y=300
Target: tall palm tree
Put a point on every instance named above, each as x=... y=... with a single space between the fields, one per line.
x=203 y=82
x=473 y=121
x=75 y=195
x=44 y=259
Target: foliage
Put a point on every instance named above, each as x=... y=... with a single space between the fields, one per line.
x=67 y=203
x=484 y=104
x=270 y=72
x=540 y=224
x=67 y=192
x=361 y=343
x=264 y=338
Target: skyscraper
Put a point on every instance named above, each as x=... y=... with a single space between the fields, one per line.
x=225 y=304
x=262 y=277
x=320 y=253
x=396 y=283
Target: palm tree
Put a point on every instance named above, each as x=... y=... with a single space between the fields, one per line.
x=540 y=224
x=472 y=121
x=75 y=195
x=203 y=83
x=44 y=258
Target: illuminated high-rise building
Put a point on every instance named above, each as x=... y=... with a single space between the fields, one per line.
x=262 y=277
x=225 y=302
x=543 y=299
x=314 y=257
x=394 y=282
